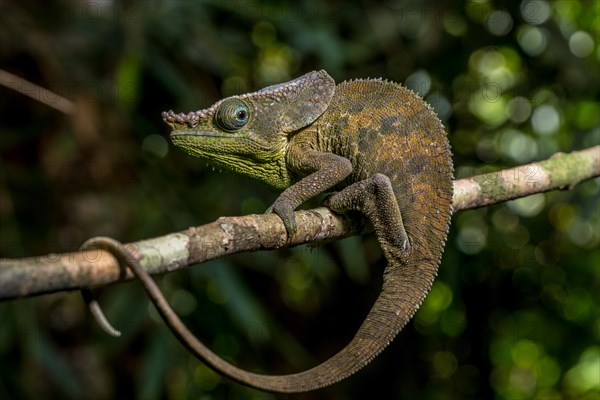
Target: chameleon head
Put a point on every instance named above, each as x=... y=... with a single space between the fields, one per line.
x=249 y=134
x=230 y=135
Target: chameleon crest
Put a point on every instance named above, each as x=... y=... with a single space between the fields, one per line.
x=381 y=150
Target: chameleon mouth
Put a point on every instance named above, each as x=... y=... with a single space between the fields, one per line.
x=185 y=137
x=182 y=134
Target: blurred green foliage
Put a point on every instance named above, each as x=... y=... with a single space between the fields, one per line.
x=514 y=313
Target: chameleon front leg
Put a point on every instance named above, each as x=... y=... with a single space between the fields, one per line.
x=324 y=170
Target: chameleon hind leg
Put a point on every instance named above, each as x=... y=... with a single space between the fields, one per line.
x=375 y=198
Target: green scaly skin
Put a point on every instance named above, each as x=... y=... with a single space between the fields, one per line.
x=385 y=153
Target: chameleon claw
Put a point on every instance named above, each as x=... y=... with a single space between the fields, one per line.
x=287 y=216
x=290 y=226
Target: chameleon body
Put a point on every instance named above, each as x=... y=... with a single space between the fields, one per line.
x=381 y=150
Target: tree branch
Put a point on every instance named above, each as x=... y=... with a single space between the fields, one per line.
x=229 y=235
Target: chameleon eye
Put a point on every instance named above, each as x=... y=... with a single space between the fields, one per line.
x=232 y=115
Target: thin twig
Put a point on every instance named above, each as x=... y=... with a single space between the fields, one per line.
x=36 y=92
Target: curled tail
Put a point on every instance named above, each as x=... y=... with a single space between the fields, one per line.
x=404 y=288
x=403 y=291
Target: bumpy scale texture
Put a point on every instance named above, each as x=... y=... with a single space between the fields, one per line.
x=379 y=147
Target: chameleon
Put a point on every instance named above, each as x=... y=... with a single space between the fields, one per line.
x=377 y=147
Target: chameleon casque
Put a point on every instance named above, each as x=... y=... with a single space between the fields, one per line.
x=382 y=151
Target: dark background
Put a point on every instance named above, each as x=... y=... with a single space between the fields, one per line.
x=514 y=312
